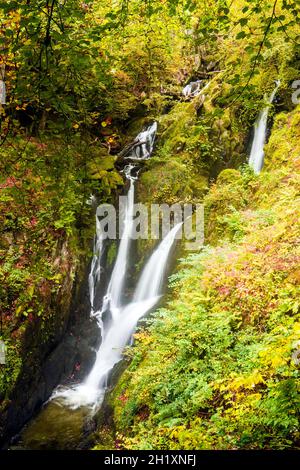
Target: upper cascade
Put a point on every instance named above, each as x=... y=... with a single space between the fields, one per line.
x=142 y=146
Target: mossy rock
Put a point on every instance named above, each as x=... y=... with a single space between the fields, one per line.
x=99 y=166
x=178 y=171
x=227 y=195
x=103 y=169
x=228 y=176
x=284 y=140
x=171 y=182
x=176 y=124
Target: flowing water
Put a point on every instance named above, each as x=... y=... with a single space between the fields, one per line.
x=71 y=405
x=256 y=159
x=95 y=271
x=2 y=92
x=142 y=147
x=113 y=297
x=117 y=331
x=2 y=85
x=192 y=89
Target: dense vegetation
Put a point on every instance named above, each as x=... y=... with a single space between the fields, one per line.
x=213 y=369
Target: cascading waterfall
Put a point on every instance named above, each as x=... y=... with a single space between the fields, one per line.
x=142 y=146
x=2 y=92
x=2 y=85
x=151 y=280
x=256 y=159
x=116 y=333
x=113 y=297
x=95 y=271
x=119 y=332
x=193 y=89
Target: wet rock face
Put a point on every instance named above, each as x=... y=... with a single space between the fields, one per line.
x=67 y=357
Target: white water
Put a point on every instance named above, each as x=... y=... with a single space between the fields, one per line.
x=114 y=292
x=143 y=143
x=121 y=329
x=95 y=271
x=192 y=89
x=256 y=159
x=2 y=85
x=151 y=280
x=117 y=332
x=2 y=92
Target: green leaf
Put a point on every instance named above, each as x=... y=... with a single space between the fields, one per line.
x=241 y=35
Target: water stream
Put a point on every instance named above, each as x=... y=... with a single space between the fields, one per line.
x=256 y=159
x=122 y=319
x=116 y=319
x=192 y=89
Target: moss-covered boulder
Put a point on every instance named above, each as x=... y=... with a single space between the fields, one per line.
x=102 y=168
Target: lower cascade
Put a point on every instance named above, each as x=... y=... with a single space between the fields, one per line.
x=256 y=159
x=120 y=319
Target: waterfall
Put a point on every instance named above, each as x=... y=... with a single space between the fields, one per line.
x=256 y=159
x=192 y=89
x=2 y=92
x=95 y=271
x=151 y=280
x=119 y=331
x=123 y=319
x=142 y=146
x=113 y=296
x=2 y=85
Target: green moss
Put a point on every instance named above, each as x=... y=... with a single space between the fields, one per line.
x=284 y=140
x=9 y=372
x=162 y=183
x=228 y=177
x=229 y=194
x=105 y=439
x=111 y=253
x=100 y=164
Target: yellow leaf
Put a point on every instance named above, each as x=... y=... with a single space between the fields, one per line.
x=19 y=309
